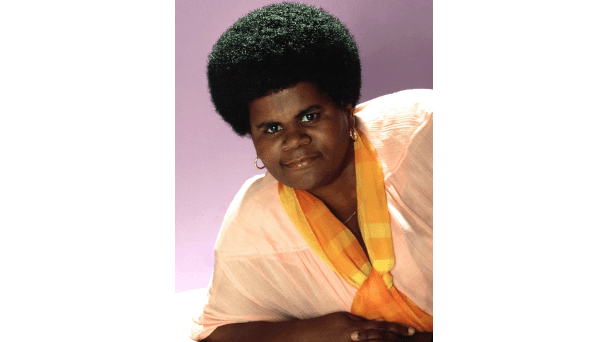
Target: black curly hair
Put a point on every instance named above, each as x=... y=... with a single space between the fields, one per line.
x=276 y=47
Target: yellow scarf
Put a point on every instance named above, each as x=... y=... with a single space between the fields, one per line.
x=333 y=242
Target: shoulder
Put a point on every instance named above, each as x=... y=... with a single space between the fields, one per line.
x=391 y=121
x=409 y=103
x=256 y=223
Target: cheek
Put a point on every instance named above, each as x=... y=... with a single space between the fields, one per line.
x=336 y=142
x=266 y=151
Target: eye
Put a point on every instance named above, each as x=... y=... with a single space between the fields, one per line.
x=273 y=128
x=309 y=117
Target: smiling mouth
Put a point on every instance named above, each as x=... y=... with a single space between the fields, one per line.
x=300 y=163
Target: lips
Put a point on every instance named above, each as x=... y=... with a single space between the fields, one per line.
x=300 y=163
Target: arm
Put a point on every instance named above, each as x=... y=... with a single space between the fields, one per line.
x=335 y=327
x=254 y=332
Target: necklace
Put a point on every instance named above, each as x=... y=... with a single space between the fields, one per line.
x=351 y=216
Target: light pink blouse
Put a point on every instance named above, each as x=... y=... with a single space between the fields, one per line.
x=265 y=271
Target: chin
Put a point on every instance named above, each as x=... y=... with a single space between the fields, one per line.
x=301 y=185
x=304 y=183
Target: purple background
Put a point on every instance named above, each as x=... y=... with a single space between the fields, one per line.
x=395 y=41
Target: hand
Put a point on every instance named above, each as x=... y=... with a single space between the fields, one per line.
x=346 y=327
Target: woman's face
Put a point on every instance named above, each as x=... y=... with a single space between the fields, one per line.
x=302 y=136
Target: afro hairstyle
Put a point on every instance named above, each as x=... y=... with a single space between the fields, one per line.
x=276 y=47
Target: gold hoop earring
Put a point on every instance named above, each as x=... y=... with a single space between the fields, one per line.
x=353 y=134
x=256 y=164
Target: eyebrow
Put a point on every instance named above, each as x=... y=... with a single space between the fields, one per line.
x=302 y=112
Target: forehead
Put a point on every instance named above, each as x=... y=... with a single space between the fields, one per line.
x=286 y=103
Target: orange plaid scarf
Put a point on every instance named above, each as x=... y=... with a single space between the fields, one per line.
x=333 y=242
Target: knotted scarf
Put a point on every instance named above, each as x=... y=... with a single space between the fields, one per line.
x=333 y=242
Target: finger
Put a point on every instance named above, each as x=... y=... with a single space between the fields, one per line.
x=396 y=328
x=376 y=335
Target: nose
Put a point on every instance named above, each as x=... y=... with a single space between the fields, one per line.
x=295 y=138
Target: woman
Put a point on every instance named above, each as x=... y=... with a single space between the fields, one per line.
x=334 y=243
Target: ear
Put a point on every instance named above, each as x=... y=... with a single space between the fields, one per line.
x=348 y=109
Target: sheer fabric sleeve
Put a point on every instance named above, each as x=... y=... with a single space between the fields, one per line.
x=410 y=189
x=230 y=298
x=270 y=287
